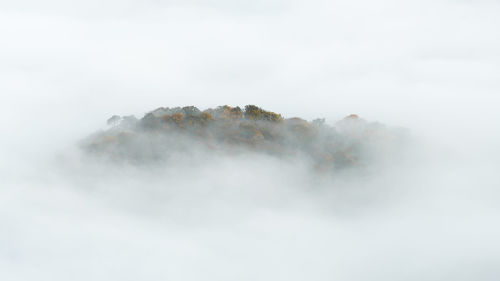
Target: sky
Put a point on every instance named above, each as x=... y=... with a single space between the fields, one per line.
x=432 y=67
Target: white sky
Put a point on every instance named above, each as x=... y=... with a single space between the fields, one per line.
x=427 y=65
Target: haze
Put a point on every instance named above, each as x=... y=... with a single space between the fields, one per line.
x=431 y=67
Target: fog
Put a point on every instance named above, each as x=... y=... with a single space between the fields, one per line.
x=430 y=212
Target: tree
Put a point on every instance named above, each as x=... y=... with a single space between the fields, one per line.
x=235 y=113
x=191 y=111
x=206 y=116
x=256 y=113
x=114 y=120
x=252 y=112
x=150 y=121
x=178 y=117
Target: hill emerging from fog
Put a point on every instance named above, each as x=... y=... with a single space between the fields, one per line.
x=165 y=132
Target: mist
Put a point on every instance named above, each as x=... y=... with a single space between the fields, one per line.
x=428 y=212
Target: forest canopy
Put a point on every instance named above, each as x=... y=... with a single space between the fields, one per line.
x=164 y=131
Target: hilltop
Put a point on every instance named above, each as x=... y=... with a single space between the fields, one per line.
x=166 y=131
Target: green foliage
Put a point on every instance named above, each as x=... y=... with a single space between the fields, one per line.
x=235 y=113
x=150 y=121
x=255 y=113
x=191 y=111
x=228 y=113
x=252 y=112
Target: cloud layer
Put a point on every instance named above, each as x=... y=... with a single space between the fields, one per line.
x=431 y=66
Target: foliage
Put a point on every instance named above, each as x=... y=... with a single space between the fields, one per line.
x=178 y=117
x=253 y=112
x=225 y=126
x=207 y=116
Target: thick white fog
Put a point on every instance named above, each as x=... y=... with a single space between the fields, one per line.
x=432 y=67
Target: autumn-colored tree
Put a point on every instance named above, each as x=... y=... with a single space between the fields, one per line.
x=253 y=112
x=207 y=116
x=235 y=113
x=261 y=130
x=178 y=117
